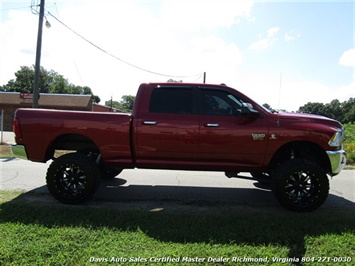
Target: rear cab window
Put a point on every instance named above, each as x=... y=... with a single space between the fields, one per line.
x=172 y=100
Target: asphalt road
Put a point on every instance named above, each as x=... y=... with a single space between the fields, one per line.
x=204 y=188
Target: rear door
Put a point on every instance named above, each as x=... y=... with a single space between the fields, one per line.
x=229 y=138
x=167 y=128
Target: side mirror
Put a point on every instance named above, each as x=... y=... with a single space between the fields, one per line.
x=248 y=109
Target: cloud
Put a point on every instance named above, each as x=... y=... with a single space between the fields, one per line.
x=346 y=92
x=272 y=32
x=18 y=43
x=195 y=15
x=265 y=43
x=260 y=45
x=173 y=38
x=169 y=37
x=271 y=38
x=293 y=93
x=292 y=35
x=348 y=58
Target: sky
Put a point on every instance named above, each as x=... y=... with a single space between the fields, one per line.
x=284 y=53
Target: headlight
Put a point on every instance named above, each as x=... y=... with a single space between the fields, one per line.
x=336 y=140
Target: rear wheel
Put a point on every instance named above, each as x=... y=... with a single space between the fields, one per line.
x=300 y=185
x=73 y=178
x=105 y=171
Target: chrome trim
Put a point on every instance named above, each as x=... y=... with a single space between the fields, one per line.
x=211 y=125
x=19 y=151
x=150 y=122
x=337 y=160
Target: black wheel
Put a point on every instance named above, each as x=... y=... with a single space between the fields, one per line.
x=73 y=178
x=300 y=185
x=105 y=171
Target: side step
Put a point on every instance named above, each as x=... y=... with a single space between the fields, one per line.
x=236 y=175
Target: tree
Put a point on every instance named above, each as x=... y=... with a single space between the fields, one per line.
x=60 y=85
x=343 y=112
x=348 y=108
x=23 y=81
x=172 y=80
x=334 y=110
x=49 y=82
x=95 y=98
x=113 y=104
x=267 y=106
x=126 y=103
x=312 y=108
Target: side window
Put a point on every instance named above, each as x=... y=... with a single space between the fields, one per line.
x=171 y=101
x=216 y=102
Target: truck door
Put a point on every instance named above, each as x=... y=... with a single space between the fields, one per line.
x=229 y=138
x=167 y=128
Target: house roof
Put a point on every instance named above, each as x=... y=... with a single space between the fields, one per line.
x=47 y=100
x=104 y=108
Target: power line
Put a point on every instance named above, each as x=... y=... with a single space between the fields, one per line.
x=117 y=58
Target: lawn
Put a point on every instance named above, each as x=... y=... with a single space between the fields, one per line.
x=38 y=233
x=349 y=144
x=5 y=150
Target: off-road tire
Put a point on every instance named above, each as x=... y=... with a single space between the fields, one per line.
x=300 y=185
x=105 y=171
x=73 y=178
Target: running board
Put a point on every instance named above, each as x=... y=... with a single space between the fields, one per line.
x=236 y=175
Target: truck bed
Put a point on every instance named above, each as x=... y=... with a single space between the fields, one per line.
x=109 y=132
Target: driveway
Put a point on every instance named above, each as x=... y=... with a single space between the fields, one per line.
x=190 y=187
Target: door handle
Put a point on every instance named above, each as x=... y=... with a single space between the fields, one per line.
x=211 y=125
x=149 y=122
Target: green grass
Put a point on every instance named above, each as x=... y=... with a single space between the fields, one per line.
x=37 y=233
x=349 y=144
x=20 y=152
x=5 y=151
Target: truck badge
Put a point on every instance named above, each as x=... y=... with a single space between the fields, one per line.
x=258 y=136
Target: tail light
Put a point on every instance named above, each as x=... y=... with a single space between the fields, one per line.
x=17 y=130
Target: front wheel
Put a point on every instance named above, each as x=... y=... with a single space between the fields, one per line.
x=300 y=185
x=73 y=178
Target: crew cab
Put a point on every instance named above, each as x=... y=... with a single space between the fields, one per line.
x=186 y=126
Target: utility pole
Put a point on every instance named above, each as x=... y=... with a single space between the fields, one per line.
x=38 y=57
x=204 y=77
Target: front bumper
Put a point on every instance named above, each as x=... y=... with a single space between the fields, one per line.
x=337 y=161
x=19 y=151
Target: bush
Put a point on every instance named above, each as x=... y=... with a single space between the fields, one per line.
x=349 y=143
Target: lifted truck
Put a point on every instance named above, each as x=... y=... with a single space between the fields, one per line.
x=186 y=126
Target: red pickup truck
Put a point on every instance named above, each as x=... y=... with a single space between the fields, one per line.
x=186 y=127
